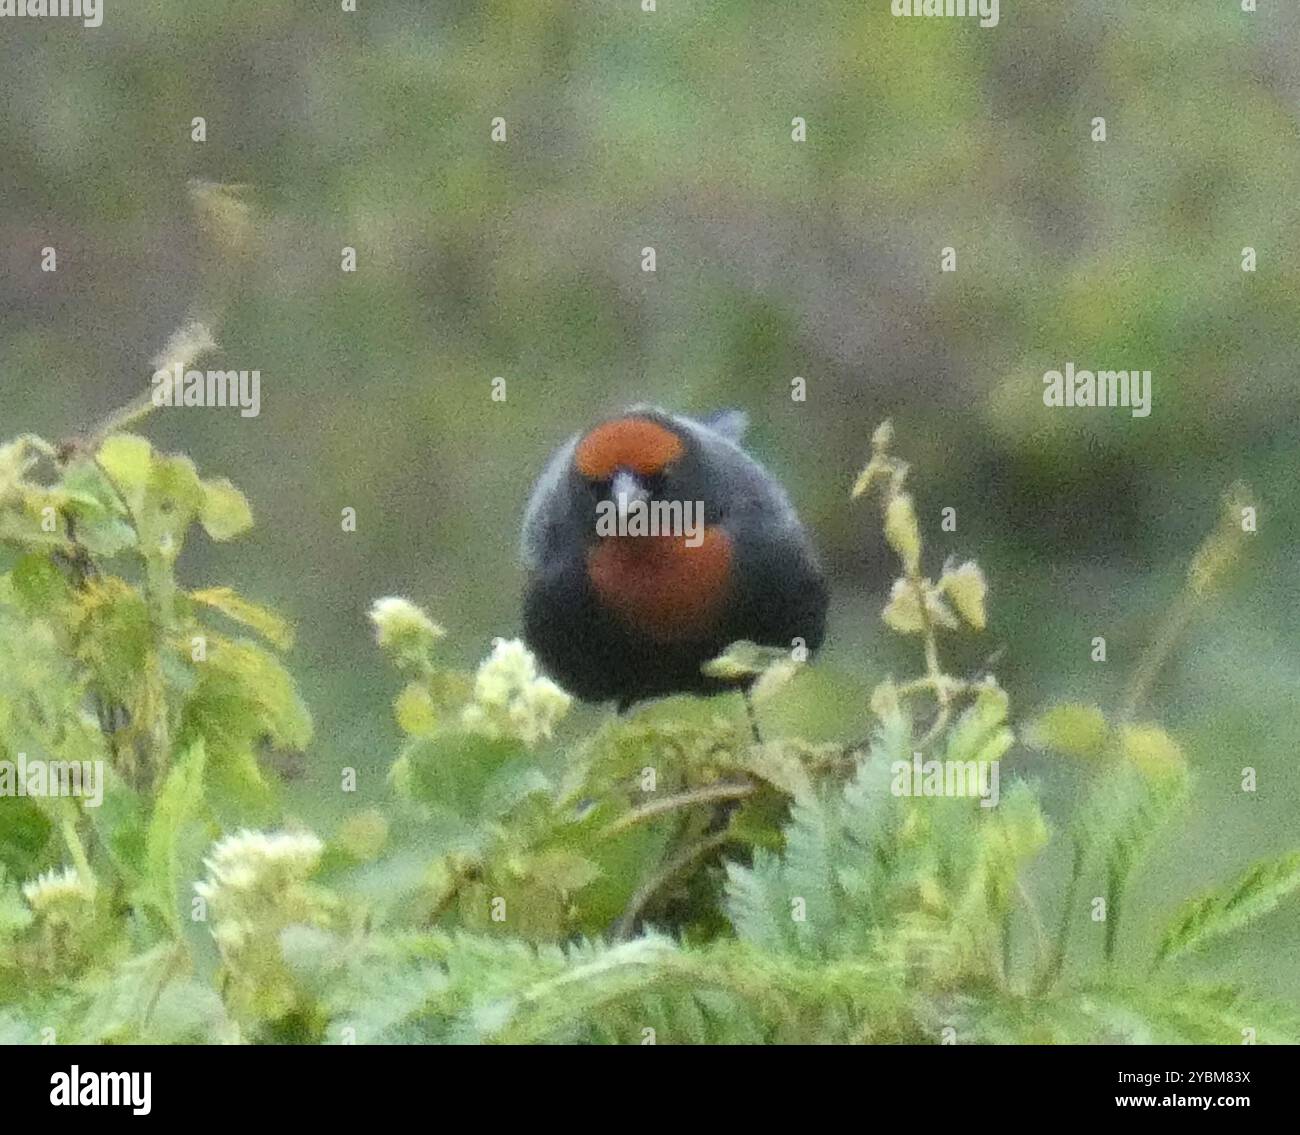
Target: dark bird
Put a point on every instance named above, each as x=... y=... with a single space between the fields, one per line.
x=631 y=590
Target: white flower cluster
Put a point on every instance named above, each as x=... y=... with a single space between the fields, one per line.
x=511 y=699
x=58 y=892
x=267 y=861
x=252 y=880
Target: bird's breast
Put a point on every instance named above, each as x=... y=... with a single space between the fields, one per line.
x=660 y=585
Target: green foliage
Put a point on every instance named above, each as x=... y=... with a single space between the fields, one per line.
x=666 y=877
x=1257 y=892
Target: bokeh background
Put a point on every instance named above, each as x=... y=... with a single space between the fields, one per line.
x=671 y=129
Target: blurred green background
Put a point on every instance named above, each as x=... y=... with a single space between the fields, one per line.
x=671 y=129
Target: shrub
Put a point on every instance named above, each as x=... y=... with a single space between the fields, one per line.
x=667 y=877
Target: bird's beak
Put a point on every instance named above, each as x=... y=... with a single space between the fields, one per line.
x=626 y=490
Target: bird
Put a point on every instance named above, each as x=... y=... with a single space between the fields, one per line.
x=618 y=609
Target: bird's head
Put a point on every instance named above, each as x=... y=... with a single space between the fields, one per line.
x=654 y=552
x=625 y=465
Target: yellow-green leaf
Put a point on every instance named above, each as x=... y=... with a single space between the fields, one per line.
x=966 y=587
x=363 y=836
x=1152 y=750
x=234 y=606
x=1079 y=730
x=875 y=470
x=414 y=710
x=177 y=806
x=225 y=512
x=744 y=659
x=127 y=460
x=901 y=530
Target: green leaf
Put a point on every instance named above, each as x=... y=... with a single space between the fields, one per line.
x=1152 y=750
x=25 y=835
x=172 y=500
x=1256 y=893
x=1119 y=820
x=225 y=512
x=243 y=701
x=39 y=584
x=455 y=770
x=127 y=461
x=14 y=913
x=98 y=515
x=414 y=710
x=744 y=659
x=114 y=637
x=230 y=603
x=14 y=463
x=169 y=840
x=980 y=733
x=121 y=824
x=1079 y=730
x=562 y=870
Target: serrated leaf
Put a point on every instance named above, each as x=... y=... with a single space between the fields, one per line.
x=454 y=769
x=177 y=806
x=1211 y=916
x=261 y=619
x=225 y=511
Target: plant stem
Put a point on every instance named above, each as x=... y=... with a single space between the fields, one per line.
x=627 y=921
x=709 y=795
x=1035 y=920
x=68 y=828
x=1057 y=963
x=1153 y=657
x=1114 y=892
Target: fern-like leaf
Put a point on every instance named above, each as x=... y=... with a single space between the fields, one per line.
x=1257 y=892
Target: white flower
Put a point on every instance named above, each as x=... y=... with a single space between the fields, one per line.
x=402 y=627
x=58 y=892
x=256 y=886
x=511 y=699
x=251 y=860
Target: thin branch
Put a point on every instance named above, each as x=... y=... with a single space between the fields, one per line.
x=709 y=795
x=646 y=891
